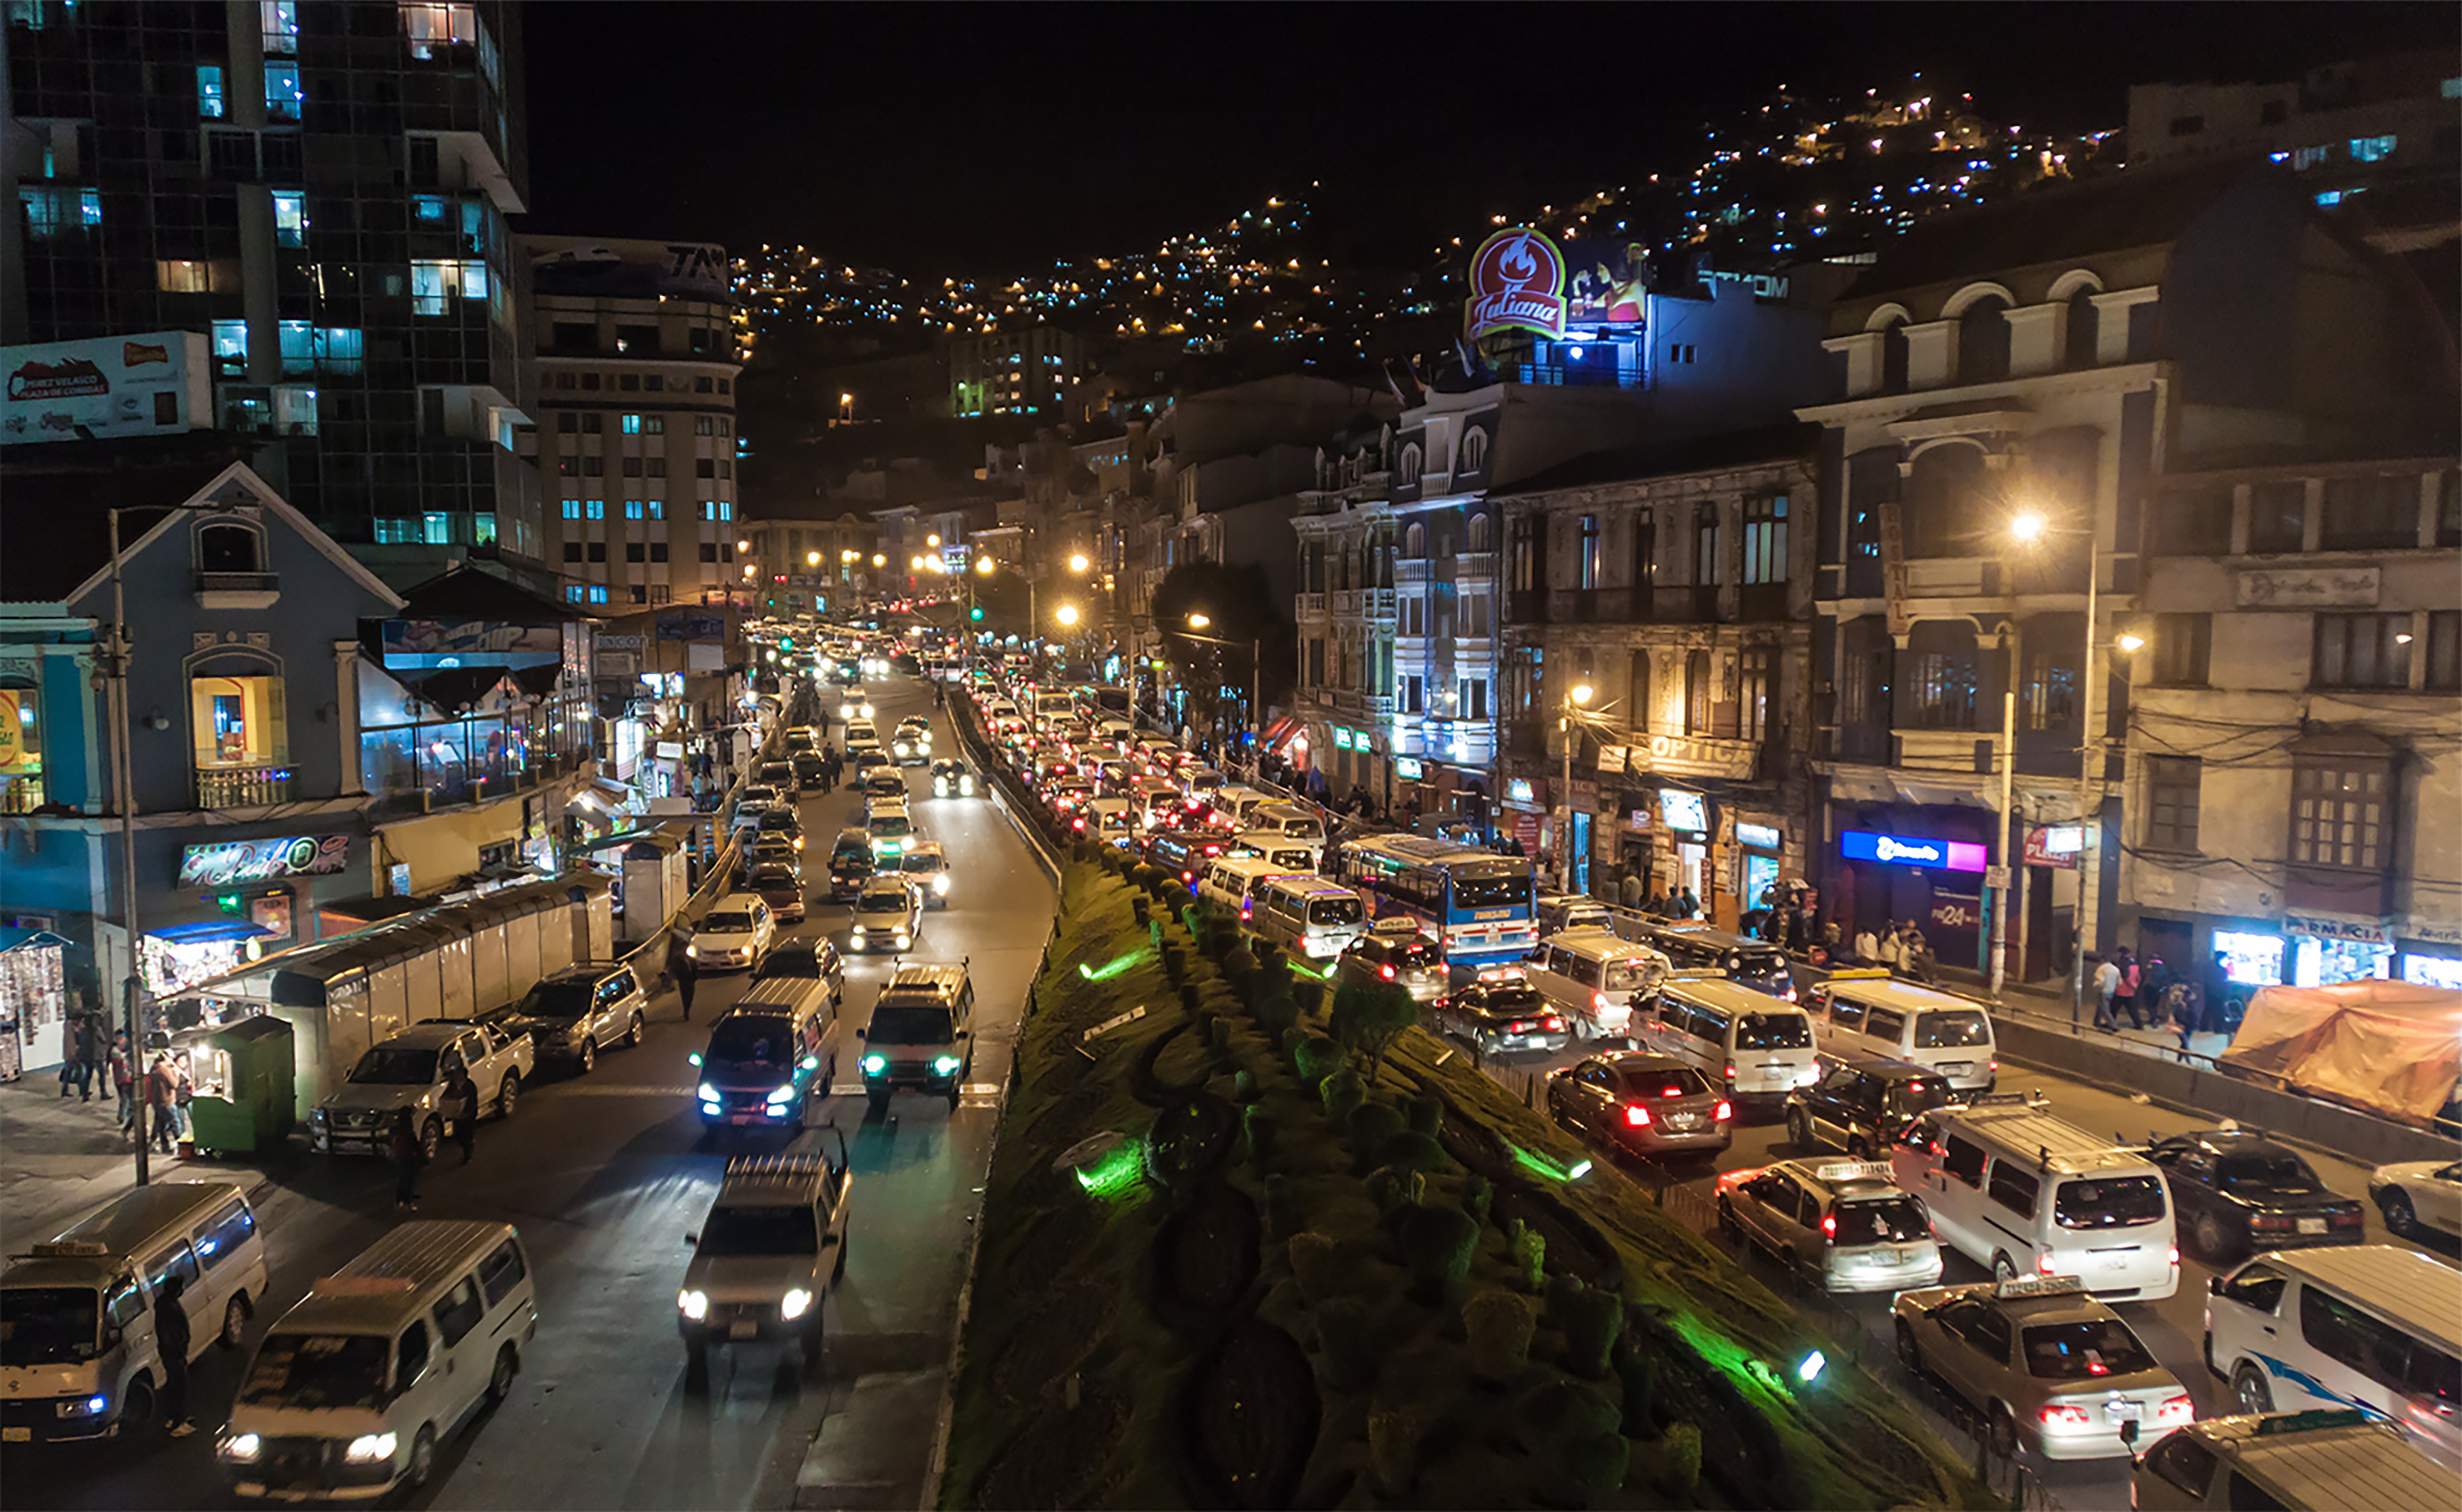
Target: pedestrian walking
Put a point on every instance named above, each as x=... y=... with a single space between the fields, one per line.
x=684 y=967
x=1687 y=906
x=402 y=1148
x=462 y=1094
x=123 y=1080
x=2180 y=1006
x=161 y=1100
x=1916 y=952
x=1629 y=890
x=2106 y=986
x=2124 y=997
x=90 y=1046
x=172 y=1340
x=2215 y=1003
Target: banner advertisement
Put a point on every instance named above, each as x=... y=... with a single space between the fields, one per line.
x=152 y=385
x=262 y=860
x=1516 y=282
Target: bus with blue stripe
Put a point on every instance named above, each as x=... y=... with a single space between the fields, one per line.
x=1477 y=902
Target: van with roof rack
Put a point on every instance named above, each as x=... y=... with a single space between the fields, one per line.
x=2013 y=1188
x=773 y=1245
x=2310 y=1462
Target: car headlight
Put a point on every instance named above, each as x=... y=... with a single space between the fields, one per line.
x=858 y=930
x=370 y=1447
x=874 y=1065
x=794 y=1304
x=693 y=951
x=781 y=1096
x=945 y=1065
x=708 y=1094
x=242 y=1446
x=940 y=884
x=693 y=1305
x=84 y=1406
x=966 y=786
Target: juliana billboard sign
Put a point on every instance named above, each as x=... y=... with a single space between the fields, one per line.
x=1517 y=280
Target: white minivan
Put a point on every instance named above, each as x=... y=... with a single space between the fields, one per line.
x=1756 y=1047
x=352 y=1390
x=2372 y=1327
x=1285 y=819
x=2014 y=1189
x=1596 y=979
x=1307 y=916
x=78 y=1357
x=1232 y=806
x=1872 y=1014
x=1235 y=883
x=1289 y=855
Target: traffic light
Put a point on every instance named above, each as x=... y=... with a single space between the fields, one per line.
x=976 y=613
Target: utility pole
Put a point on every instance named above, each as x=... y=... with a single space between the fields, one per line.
x=124 y=775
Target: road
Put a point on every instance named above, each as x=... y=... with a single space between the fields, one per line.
x=604 y=1175
x=2172 y=1328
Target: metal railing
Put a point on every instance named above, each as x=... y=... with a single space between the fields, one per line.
x=253 y=784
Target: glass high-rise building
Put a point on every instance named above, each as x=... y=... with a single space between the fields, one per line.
x=321 y=188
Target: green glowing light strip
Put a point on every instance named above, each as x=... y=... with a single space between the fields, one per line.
x=1109 y=971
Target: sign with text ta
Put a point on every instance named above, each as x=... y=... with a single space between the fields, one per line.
x=1517 y=281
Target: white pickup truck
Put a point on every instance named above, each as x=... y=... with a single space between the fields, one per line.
x=410 y=1070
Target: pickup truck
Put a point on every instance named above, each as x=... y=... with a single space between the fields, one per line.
x=410 y=1070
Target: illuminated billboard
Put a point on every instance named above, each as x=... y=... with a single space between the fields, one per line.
x=108 y=387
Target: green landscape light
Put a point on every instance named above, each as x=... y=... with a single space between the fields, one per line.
x=227 y=902
x=1810 y=1369
x=1578 y=1172
x=1327 y=975
x=1541 y=1165
x=1117 y=1174
x=1109 y=971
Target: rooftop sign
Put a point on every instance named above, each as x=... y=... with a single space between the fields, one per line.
x=1517 y=280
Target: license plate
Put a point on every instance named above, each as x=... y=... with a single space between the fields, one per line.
x=746 y=1329
x=2123 y=1412
x=1957 y=1067
x=2117 y=1262
x=744 y=1118
x=16 y=1435
x=2312 y=1225
x=1889 y=1257
x=1683 y=1121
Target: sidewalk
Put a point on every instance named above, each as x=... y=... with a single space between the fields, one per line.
x=2049 y=1007
x=59 y=1157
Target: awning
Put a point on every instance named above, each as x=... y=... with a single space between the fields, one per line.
x=601 y=793
x=210 y=931
x=1279 y=733
x=19 y=939
x=456 y=690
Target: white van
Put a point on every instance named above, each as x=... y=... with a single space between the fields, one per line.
x=352 y=1390
x=2314 y=1462
x=1596 y=979
x=1287 y=819
x=1756 y=1047
x=2015 y=1189
x=77 y=1353
x=2372 y=1327
x=1288 y=854
x=1307 y=916
x=1234 y=803
x=1870 y=1013
x=1235 y=883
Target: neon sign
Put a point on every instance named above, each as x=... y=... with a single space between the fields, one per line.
x=1517 y=278
x=1897 y=850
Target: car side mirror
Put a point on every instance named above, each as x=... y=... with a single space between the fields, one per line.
x=966 y=1034
x=2215 y=1284
x=859 y=1034
x=692 y=1238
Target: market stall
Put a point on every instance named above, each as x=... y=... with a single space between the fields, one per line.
x=33 y=1000
x=241 y=1072
x=2391 y=1048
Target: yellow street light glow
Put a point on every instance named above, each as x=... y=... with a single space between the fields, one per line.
x=931 y=540
x=811 y=558
x=878 y=560
x=1067 y=615
x=744 y=545
x=1583 y=694
x=916 y=563
x=984 y=565
x=2133 y=641
x=850 y=557
x=2028 y=527
x=1198 y=621
x=845 y=399
x=1077 y=563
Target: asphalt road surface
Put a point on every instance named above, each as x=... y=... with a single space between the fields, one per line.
x=604 y=1175
x=2172 y=1328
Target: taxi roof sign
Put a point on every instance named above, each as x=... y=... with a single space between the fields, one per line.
x=1854 y=1171
x=69 y=1249
x=2018 y=1288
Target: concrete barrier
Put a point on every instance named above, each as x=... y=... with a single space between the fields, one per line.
x=2343 y=1133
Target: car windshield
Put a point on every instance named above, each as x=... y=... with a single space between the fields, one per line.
x=1505 y=891
x=892 y=824
x=2084 y=1349
x=1773 y=1032
x=1951 y=1028
x=781 y=819
x=1336 y=911
x=755 y=792
x=1514 y=1000
x=727 y=921
x=2109 y=1202
x=882 y=901
x=1880 y=1220
x=761 y=1231
x=772 y=876
x=396 y=1066
x=1626 y=976
x=790 y=961
x=568 y=999
x=750 y=1039
x=909 y=1024
x=947 y=768
x=2278 y=1171
x=318 y=1369
x=1663 y=1082
x=49 y=1324
x=853 y=848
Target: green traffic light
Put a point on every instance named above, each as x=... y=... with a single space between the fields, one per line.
x=975 y=613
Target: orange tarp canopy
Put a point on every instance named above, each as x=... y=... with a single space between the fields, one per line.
x=2389 y=1048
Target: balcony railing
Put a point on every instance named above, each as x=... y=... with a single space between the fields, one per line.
x=21 y=793
x=1311 y=606
x=1345 y=602
x=1381 y=604
x=255 y=785
x=449 y=761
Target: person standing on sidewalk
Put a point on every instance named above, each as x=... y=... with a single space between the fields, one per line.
x=463 y=1093
x=161 y=1097
x=1867 y=947
x=2123 y=998
x=402 y=1148
x=2215 y=1003
x=2106 y=986
x=171 y=1341
x=123 y=1080
x=682 y=966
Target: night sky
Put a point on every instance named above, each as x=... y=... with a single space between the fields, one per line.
x=976 y=139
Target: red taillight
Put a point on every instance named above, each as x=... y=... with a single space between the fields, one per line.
x=1992 y=1064
x=2173 y=1257
x=2269 y=1220
x=2043 y=1263
x=1598 y=1002
x=1078 y=824
x=1636 y=1116
x=2173 y=1410
x=1829 y=1225
x=1387 y=972
x=1726 y=1111
x=1552 y=1023
x=1731 y=1071
x=2059 y=1416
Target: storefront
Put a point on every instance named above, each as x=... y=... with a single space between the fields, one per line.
x=1685 y=825
x=2326 y=948
x=1891 y=876
x=176 y=957
x=1523 y=813
x=2428 y=952
x=1760 y=852
x=33 y=1000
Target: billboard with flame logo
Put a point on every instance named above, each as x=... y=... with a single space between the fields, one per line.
x=1517 y=282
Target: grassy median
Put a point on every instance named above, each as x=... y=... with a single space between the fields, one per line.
x=1281 y=1273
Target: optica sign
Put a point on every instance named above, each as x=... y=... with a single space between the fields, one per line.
x=1898 y=850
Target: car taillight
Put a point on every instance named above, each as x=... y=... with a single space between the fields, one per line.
x=1636 y=1116
x=1991 y=1065
x=2269 y=1220
x=2349 y=1219
x=1598 y=1002
x=2173 y=1410
x=1726 y=1111
x=1387 y=972
x=2061 y=1416
x=1828 y=1225
x=2043 y=1263
x=2173 y=1257
x=1552 y=1023
x=1731 y=1071
x=1078 y=824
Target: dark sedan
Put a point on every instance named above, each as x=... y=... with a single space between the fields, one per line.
x=1651 y=1105
x=782 y=889
x=1493 y=1016
x=2237 y=1191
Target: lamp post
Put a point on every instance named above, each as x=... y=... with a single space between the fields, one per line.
x=1577 y=696
x=1255 y=679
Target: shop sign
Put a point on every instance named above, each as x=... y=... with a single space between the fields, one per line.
x=671 y=750
x=1613 y=760
x=2308 y=588
x=1684 y=810
x=1341 y=738
x=1585 y=795
x=1703 y=755
x=692 y=627
x=262 y=860
x=1897 y=850
x=1517 y=789
x=2055 y=844
x=1637 y=820
x=2433 y=931
x=1759 y=837
x=1409 y=768
x=623 y=642
x=1517 y=278
x=1957 y=913
x=105 y=387
x=2348 y=928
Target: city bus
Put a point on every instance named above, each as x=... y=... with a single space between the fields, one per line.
x=1477 y=902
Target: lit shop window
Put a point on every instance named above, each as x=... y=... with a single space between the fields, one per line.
x=230 y=348
x=21 y=751
x=210 y=91
x=280 y=23
x=429 y=27
x=433 y=283
x=59 y=212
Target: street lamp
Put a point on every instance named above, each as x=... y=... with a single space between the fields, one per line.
x=984 y=565
x=1066 y=614
x=878 y=560
x=1077 y=562
x=811 y=558
x=1200 y=620
x=932 y=540
x=1576 y=697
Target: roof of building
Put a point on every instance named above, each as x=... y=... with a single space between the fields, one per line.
x=465 y=593
x=2142 y=207
x=1791 y=441
x=54 y=530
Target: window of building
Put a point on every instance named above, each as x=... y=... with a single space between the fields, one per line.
x=1760 y=678
x=290 y=218
x=1592 y=561
x=2277 y=515
x=598 y=595
x=572 y=508
x=2172 y=802
x=237 y=716
x=702 y=385
x=632 y=425
x=1697 y=693
x=1766 y=539
x=654 y=425
x=657 y=549
x=628 y=382
x=2338 y=811
x=593 y=465
x=631 y=466
x=658 y=466
x=703 y=425
x=705 y=467
x=224 y=548
x=430 y=27
x=279 y=23
x=709 y=550
x=210 y=91
x=282 y=97
x=2371 y=149
x=567 y=422
x=181 y=276
x=2193 y=522
x=230 y=348
x=2370 y=513
x=1944 y=691
x=2445 y=651
x=55 y=212
x=432 y=283
x=595 y=551
x=2050 y=694
x=2182 y=644
x=1983 y=342
x=596 y=508
x=2084 y=332
x=1474 y=698
x=2363 y=651
x=1709 y=546
x=1411 y=694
